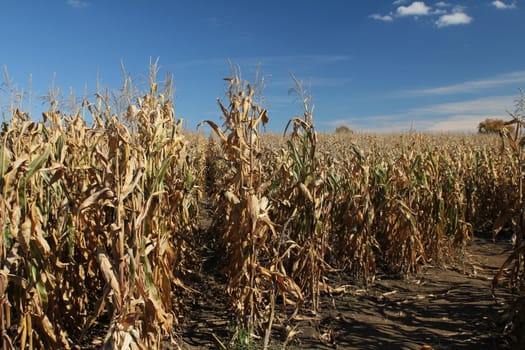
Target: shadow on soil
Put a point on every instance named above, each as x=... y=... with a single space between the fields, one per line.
x=442 y=308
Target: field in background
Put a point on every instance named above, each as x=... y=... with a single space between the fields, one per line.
x=103 y=223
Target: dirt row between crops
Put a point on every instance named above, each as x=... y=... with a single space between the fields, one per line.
x=449 y=308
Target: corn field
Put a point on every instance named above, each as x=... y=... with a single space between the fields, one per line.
x=100 y=219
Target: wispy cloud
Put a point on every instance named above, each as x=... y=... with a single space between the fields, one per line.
x=504 y=6
x=473 y=85
x=384 y=18
x=453 y=19
x=383 y=123
x=280 y=60
x=417 y=8
x=456 y=123
x=495 y=105
x=212 y=22
x=77 y=3
x=310 y=82
x=462 y=116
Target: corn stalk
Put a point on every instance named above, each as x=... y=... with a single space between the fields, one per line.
x=247 y=234
x=304 y=201
x=513 y=144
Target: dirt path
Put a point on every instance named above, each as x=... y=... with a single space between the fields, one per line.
x=444 y=309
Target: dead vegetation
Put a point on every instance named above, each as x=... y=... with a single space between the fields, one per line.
x=99 y=222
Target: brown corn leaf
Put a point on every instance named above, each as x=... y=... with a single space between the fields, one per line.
x=24 y=235
x=103 y=194
x=231 y=197
x=306 y=192
x=215 y=128
x=36 y=231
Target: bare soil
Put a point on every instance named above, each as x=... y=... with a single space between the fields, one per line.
x=440 y=308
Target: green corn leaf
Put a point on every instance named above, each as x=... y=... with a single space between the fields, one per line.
x=4 y=161
x=159 y=178
x=37 y=164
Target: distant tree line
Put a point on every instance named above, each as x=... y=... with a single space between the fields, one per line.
x=343 y=129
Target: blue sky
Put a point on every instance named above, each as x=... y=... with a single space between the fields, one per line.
x=375 y=66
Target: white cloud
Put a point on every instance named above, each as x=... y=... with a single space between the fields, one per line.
x=443 y=13
x=473 y=85
x=453 y=19
x=417 y=8
x=384 y=18
x=503 y=6
x=77 y=3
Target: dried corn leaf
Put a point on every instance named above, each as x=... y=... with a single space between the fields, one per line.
x=109 y=275
x=102 y=194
